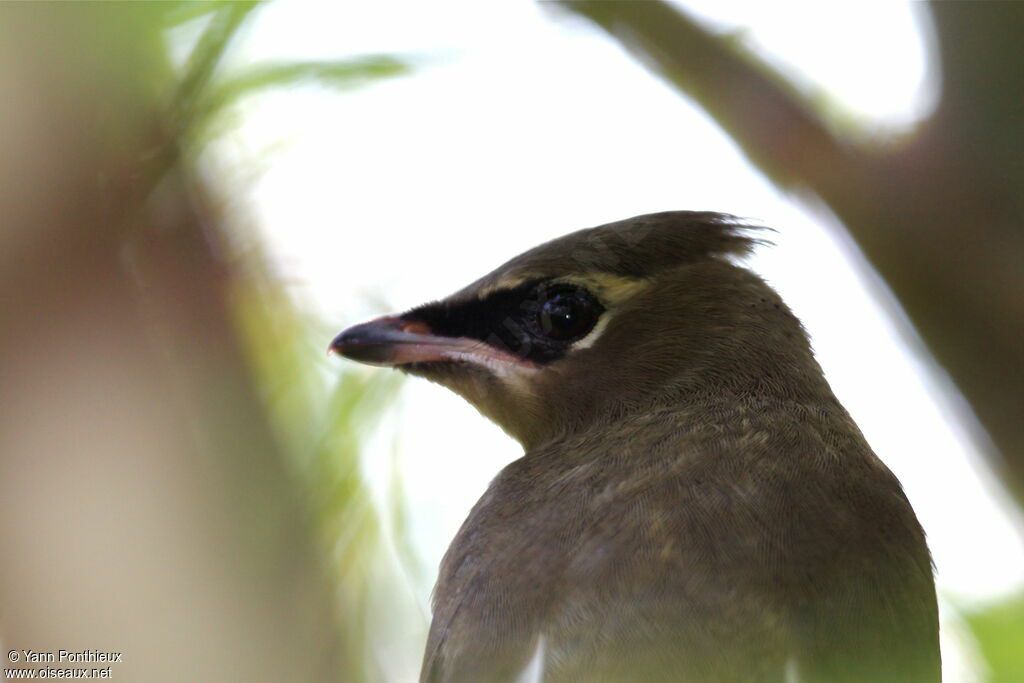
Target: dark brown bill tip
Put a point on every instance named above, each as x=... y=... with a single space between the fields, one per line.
x=371 y=342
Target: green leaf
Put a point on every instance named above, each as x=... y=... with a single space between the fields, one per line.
x=205 y=58
x=335 y=74
x=184 y=11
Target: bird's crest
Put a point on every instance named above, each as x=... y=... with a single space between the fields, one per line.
x=632 y=249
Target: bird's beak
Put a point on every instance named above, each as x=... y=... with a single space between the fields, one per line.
x=393 y=341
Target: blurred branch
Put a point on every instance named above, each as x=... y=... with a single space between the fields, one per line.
x=939 y=216
x=772 y=122
x=979 y=52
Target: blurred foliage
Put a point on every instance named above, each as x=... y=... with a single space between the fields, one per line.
x=321 y=424
x=181 y=11
x=203 y=93
x=340 y=75
x=1000 y=633
x=154 y=505
x=319 y=418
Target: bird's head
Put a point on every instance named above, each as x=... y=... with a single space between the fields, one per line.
x=598 y=323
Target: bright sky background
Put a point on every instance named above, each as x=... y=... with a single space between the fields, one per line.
x=521 y=124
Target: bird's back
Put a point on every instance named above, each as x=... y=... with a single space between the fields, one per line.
x=745 y=540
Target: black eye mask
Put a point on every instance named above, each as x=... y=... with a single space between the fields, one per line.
x=537 y=320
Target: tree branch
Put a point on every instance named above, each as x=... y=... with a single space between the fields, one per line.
x=773 y=124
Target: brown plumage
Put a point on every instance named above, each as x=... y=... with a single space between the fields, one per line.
x=693 y=503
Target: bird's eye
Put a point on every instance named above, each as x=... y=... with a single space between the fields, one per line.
x=568 y=313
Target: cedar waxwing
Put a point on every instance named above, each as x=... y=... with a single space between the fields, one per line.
x=693 y=503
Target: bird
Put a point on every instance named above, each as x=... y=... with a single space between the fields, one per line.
x=692 y=504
